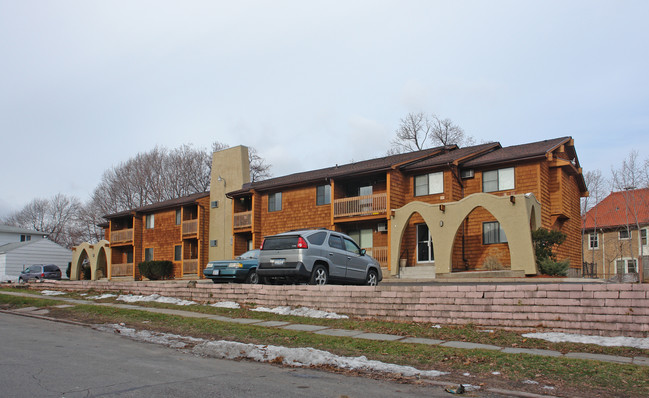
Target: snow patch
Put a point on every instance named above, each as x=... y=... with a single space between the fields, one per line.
x=103 y=296
x=226 y=304
x=620 y=341
x=51 y=292
x=129 y=298
x=302 y=311
x=299 y=357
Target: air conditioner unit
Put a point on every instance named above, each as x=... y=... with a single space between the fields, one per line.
x=467 y=173
x=383 y=227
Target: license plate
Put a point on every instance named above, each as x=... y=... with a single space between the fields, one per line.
x=215 y=272
x=278 y=261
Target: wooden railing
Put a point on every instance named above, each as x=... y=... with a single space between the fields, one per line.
x=123 y=235
x=361 y=205
x=121 y=269
x=380 y=254
x=190 y=266
x=190 y=227
x=243 y=219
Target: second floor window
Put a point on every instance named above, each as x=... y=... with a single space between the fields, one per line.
x=429 y=184
x=624 y=234
x=275 y=201
x=643 y=236
x=498 y=180
x=593 y=241
x=150 y=221
x=492 y=233
x=323 y=195
x=178 y=217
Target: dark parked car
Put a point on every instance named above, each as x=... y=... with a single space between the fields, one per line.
x=39 y=272
x=317 y=257
x=241 y=269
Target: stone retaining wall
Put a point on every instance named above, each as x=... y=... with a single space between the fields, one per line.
x=595 y=309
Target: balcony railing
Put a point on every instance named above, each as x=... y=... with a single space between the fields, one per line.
x=190 y=266
x=190 y=227
x=121 y=269
x=361 y=205
x=380 y=254
x=123 y=235
x=243 y=219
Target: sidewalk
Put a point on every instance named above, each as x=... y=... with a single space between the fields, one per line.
x=356 y=334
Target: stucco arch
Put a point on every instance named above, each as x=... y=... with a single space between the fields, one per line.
x=516 y=214
x=98 y=255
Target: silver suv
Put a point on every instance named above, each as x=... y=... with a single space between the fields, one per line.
x=317 y=256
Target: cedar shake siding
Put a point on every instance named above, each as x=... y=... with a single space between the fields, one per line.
x=548 y=169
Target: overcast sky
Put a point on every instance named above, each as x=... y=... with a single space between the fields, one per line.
x=85 y=85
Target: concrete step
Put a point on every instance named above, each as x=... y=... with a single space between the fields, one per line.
x=483 y=274
x=418 y=272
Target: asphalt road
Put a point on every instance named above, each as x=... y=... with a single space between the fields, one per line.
x=40 y=358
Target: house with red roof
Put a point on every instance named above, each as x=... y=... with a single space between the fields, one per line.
x=616 y=233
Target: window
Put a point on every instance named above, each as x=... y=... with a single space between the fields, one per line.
x=429 y=184
x=593 y=241
x=350 y=246
x=178 y=217
x=624 y=234
x=129 y=257
x=643 y=237
x=318 y=238
x=275 y=201
x=425 y=250
x=25 y=238
x=626 y=266
x=492 y=233
x=150 y=221
x=498 y=180
x=148 y=254
x=336 y=242
x=323 y=195
x=364 y=238
x=178 y=253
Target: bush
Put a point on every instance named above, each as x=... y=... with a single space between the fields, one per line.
x=544 y=241
x=547 y=266
x=155 y=270
x=86 y=271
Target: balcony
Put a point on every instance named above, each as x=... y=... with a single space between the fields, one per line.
x=190 y=227
x=117 y=270
x=380 y=254
x=361 y=205
x=243 y=219
x=121 y=236
x=190 y=266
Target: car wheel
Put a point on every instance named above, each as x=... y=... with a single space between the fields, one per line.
x=319 y=275
x=372 y=278
x=252 y=278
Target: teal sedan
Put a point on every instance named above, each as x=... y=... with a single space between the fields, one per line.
x=241 y=269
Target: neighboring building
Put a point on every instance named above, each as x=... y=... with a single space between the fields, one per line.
x=616 y=234
x=20 y=248
x=359 y=199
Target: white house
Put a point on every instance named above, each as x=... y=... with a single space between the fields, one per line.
x=20 y=248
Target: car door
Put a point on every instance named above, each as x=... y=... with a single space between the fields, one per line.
x=356 y=263
x=337 y=256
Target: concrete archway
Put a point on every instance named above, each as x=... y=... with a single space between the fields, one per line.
x=98 y=255
x=517 y=215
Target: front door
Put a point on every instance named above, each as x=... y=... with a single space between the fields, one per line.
x=425 y=252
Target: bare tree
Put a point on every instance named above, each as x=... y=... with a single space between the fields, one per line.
x=55 y=217
x=597 y=188
x=419 y=131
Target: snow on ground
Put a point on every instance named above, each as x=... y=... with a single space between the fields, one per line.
x=299 y=357
x=103 y=296
x=226 y=304
x=8 y=278
x=619 y=341
x=51 y=292
x=129 y=298
x=302 y=311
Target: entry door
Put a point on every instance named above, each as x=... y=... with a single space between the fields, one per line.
x=425 y=252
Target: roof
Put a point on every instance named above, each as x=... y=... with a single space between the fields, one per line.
x=518 y=152
x=12 y=246
x=19 y=230
x=346 y=170
x=618 y=209
x=185 y=200
x=459 y=156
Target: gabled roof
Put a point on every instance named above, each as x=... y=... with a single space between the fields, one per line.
x=458 y=156
x=515 y=153
x=618 y=209
x=19 y=230
x=347 y=170
x=185 y=200
x=6 y=248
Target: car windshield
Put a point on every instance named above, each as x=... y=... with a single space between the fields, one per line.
x=249 y=255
